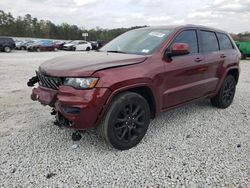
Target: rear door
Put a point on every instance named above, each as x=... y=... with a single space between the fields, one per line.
x=184 y=74
x=213 y=59
x=227 y=49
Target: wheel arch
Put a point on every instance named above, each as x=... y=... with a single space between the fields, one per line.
x=142 y=89
x=234 y=71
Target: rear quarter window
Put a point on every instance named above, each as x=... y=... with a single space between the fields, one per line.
x=224 y=42
x=209 y=41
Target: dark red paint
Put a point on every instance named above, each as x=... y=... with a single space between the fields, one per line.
x=170 y=82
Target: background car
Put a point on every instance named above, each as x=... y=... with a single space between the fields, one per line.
x=58 y=44
x=18 y=44
x=72 y=45
x=7 y=44
x=101 y=43
x=42 y=45
x=83 y=46
x=22 y=45
x=94 y=45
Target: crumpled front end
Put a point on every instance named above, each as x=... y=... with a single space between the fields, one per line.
x=74 y=108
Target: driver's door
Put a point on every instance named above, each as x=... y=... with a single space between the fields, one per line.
x=184 y=73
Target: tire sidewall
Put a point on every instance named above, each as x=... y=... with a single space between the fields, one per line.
x=7 y=49
x=113 y=112
x=229 y=78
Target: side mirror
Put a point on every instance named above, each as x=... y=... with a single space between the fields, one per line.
x=178 y=49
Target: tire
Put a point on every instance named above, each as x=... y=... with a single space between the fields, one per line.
x=7 y=49
x=22 y=48
x=126 y=121
x=88 y=49
x=225 y=96
x=73 y=49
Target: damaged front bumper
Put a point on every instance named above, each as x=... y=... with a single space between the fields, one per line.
x=78 y=109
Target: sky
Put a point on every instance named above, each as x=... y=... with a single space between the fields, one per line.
x=230 y=15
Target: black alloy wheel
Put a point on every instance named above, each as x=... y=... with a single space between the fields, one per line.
x=226 y=94
x=126 y=122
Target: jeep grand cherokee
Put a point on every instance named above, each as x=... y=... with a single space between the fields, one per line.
x=139 y=74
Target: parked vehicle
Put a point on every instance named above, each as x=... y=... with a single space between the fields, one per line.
x=22 y=45
x=135 y=77
x=18 y=44
x=100 y=43
x=58 y=45
x=77 y=45
x=71 y=46
x=7 y=44
x=244 y=48
x=83 y=46
x=42 y=45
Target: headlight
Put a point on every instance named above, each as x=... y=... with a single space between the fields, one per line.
x=81 y=83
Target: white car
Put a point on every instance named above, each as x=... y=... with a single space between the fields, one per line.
x=77 y=45
x=83 y=46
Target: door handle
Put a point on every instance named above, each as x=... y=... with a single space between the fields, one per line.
x=197 y=59
x=222 y=56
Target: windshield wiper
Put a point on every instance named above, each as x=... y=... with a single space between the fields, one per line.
x=116 y=51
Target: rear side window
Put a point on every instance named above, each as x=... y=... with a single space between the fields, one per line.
x=190 y=38
x=209 y=41
x=224 y=41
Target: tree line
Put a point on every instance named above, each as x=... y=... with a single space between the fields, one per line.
x=28 y=26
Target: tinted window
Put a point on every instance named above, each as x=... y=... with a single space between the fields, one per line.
x=209 y=41
x=224 y=42
x=190 y=38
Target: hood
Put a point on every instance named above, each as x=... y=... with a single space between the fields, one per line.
x=86 y=63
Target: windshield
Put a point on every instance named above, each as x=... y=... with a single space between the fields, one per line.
x=139 y=41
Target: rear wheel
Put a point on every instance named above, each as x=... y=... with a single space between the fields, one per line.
x=88 y=49
x=7 y=49
x=126 y=122
x=225 y=96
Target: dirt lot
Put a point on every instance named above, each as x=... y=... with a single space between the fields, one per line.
x=194 y=146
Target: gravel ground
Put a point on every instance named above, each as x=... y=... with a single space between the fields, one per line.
x=193 y=146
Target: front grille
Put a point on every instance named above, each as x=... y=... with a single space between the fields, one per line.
x=49 y=82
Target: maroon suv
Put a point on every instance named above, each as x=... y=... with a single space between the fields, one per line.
x=139 y=74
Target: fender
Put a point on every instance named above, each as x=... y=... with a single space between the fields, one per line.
x=126 y=88
x=224 y=76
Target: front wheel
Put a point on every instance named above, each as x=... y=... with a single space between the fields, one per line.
x=7 y=49
x=126 y=122
x=225 y=96
x=88 y=49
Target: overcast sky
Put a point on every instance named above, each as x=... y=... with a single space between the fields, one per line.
x=230 y=15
